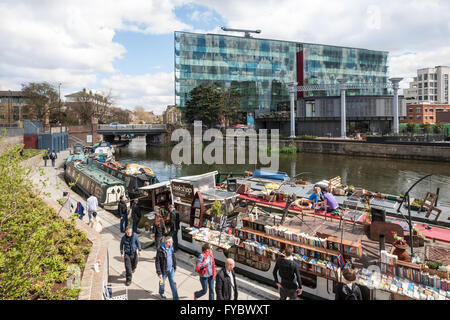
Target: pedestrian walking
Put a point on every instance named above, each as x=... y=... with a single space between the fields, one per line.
x=348 y=290
x=80 y=210
x=130 y=249
x=53 y=157
x=288 y=270
x=159 y=229
x=91 y=205
x=46 y=156
x=166 y=265
x=174 y=225
x=96 y=223
x=226 y=286
x=123 y=212
x=135 y=214
x=206 y=268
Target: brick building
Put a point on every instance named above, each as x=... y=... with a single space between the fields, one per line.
x=424 y=113
x=13 y=106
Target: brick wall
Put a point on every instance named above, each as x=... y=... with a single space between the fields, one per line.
x=81 y=132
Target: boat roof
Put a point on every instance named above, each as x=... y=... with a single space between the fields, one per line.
x=156 y=185
x=218 y=194
x=98 y=175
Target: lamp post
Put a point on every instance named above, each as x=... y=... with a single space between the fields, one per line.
x=59 y=102
x=292 y=91
x=343 y=120
x=395 y=85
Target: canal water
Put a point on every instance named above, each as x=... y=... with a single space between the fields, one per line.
x=392 y=176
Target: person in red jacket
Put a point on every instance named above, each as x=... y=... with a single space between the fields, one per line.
x=206 y=268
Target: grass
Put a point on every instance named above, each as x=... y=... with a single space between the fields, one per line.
x=29 y=153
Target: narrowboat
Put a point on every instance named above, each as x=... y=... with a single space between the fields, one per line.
x=92 y=180
x=323 y=244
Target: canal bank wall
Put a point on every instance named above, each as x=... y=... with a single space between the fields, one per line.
x=396 y=151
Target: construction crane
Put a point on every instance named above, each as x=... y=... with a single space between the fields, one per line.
x=247 y=32
x=342 y=86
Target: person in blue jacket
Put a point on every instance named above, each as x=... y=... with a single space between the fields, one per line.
x=129 y=246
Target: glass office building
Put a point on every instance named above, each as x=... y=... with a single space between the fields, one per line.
x=261 y=68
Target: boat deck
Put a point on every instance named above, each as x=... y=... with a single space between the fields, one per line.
x=98 y=175
x=304 y=191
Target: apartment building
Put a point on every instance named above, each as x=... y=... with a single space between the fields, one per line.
x=430 y=86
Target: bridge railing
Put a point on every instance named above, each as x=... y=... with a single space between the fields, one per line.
x=125 y=127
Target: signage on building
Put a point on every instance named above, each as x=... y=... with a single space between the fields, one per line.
x=182 y=190
x=89 y=138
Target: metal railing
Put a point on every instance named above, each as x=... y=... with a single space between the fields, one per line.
x=125 y=127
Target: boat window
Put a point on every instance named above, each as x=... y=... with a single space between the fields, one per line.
x=113 y=191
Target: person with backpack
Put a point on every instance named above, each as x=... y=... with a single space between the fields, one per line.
x=46 y=156
x=135 y=214
x=288 y=270
x=159 y=229
x=174 y=225
x=166 y=265
x=348 y=289
x=206 y=268
x=53 y=157
x=123 y=212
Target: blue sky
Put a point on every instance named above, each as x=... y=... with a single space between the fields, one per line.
x=126 y=46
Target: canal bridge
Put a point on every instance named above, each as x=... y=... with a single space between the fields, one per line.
x=154 y=133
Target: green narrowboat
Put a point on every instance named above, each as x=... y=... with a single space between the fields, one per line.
x=92 y=180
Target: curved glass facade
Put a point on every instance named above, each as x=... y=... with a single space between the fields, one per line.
x=260 y=68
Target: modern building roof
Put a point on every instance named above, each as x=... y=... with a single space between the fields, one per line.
x=295 y=42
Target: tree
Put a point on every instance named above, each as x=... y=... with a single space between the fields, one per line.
x=232 y=106
x=426 y=127
x=43 y=100
x=438 y=126
x=206 y=103
x=142 y=115
x=410 y=127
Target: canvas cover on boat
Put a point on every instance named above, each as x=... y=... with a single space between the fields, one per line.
x=201 y=182
x=265 y=174
x=135 y=169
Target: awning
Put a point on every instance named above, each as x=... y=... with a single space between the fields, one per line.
x=156 y=185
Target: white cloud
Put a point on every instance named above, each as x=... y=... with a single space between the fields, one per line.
x=153 y=91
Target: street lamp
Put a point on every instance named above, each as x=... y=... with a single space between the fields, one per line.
x=59 y=103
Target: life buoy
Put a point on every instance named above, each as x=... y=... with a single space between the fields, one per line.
x=303 y=203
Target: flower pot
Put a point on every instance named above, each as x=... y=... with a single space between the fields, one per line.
x=401 y=252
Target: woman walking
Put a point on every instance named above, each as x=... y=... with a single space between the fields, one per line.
x=158 y=229
x=206 y=268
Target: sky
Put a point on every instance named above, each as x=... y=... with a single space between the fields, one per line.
x=125 y=48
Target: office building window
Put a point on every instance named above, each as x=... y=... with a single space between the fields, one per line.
x=419 y=77
x=420 y=97
x=425 y=84
x=419 y=117
x=420 y=85
x=426 y=118
x=411 y=117
x=411 y=110
x=431 y=117
x=426 y=110
x=425 y=97
x=420 y=91
x=425 y=77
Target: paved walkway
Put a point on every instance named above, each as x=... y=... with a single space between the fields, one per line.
x=145 y=280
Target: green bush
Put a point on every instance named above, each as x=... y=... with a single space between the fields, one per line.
x=36 y=244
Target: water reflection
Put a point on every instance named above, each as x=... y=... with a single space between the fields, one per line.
x=392 y=176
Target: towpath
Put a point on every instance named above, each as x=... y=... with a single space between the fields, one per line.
x=145 y=281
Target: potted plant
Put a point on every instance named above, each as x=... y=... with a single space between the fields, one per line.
x=443 y=272
x=400 y=248
x=216 y=209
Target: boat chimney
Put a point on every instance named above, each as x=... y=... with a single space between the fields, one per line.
x=382 y=247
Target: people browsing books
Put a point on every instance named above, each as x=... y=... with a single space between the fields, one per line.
x=348 y=290
x=289 y=272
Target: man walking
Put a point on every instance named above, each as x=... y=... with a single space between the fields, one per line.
x=288 y=271
x=226 y=287
x=123 y=212
x=135 y=214
x=128 y=251
x=53 y=157
x=166 y=264
x=46 y=156
x=91 y=206
x=174 y=225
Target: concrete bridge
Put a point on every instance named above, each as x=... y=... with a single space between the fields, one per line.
x=154 y=133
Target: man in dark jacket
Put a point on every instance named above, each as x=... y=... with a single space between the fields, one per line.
x=226 y=286
x=135 y=214
x=53 y=157
x=348 y=289
x=129 y=244
x=166 y=264
x=174 y=225
x=288 y=271
x=123 y=212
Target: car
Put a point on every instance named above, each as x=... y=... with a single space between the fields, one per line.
x=117 y=125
